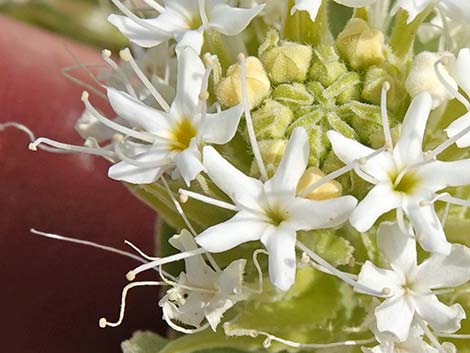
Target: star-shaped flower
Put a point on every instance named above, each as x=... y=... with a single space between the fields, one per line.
x=312 y=6
x=172 y=139
x=405 y=178
x=185 y=21
x=271 y=211
x=410 y=286
x=201 y=292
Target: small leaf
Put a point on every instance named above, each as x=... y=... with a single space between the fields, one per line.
x=144 y=342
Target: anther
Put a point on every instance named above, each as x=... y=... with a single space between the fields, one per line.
x=183 y=198
x=85 y=96
x=103 y=323
x=204 y=96
x=106 y=53
x=130 y=276
x=125 y=54
x=386 y=291
x=267 y=342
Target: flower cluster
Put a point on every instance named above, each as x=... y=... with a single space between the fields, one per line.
x=255 y=128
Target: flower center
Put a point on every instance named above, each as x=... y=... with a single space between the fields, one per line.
x=405 y=183
x=276 y=216
x=182 y=134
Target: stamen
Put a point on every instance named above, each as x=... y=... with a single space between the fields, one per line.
x=65 y=71
x=364 y=175
x=401 y=222
x=143 y=136
x=164 y=260
x=249 y=122
x=341 y=275
x=385 y=120
x=155 y=5
x=88 y=243
x=269 y=337
x=174 y=283
x=140 y=252
x=103 y=322
x=407 y=169
x=448 y=86
x=182 y=329
x=135 y=18
x=84 y=67
x=208 y=200
x=259 y=290
x=454 y=200
x=27 y=131
x=126 y=55
x=347 y=168
x=445 y=215
x=33 y=146
x=455 y=335
x=435 y=342
x=202 y=14
x=446 y=144
x=106 y=55
x=424 y=203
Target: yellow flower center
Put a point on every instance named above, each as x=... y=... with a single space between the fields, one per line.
x=276 y=216
x=182 y=134
x=406 y=183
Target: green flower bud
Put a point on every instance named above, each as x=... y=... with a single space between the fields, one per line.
x=272 y=151
x=293 y=95
x=326 y=66
x=229 y=89
x=361 y=45
x=271 y=120
x=285 y=61
x=327 y=191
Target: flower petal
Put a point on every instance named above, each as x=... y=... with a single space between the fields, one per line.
x=307 y=214
x=142 y=175
x=428 y=228
x=439 y=316
x=142 y=36
x=239 y=187
x=408 y=148
x=457 y=126
x=398 y=248
x=380 y=200
x=413 y=7
x=137 y=113
x=188 y=163
x=378 y=279
x=311 y=6
x=440 y=271
x=241 y=228
x=189 y=82
x=292 y=166
x=191 y=39
x=348 y=151
x=221 y=127
x=395 y=315
x=230 y=20
x=280 y=243
x=355 y=3
x=439 y=175
x=461 y=70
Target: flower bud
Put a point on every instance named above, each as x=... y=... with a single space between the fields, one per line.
x=229 y=89
x=271 y=120
x=361 y=45
x=326 y=66
x=285 y=62
x=293 y=95
x=272 y=152
x=326 y=191
x=423 y=77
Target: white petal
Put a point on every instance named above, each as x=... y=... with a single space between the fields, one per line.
x=413 y=7
x=440 y=271
x=241 y=188
x=462 y=69
x=395 y=315
x=439 y=316
x=231 y=20
x=188 y=87
x=241 y=228
x=378 y=279
x=428 y=228
x=192 y=311
x=348 y=151
x=142 y=175
x=457 y=10
x=439 y=175
x=408 y=149
x=380 y=200
x=137 y=113
x=307 y=214
x=457 y=126
x=292 y=165
x=311 y=6
x=232 y=277
x=191 y=39
x=398 y=248
x=356 y=3
x=138 y=34
x=280 y=243
x=220 y=128
x=188 y=163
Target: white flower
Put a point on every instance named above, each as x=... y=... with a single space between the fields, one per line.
x=312 y=6
x=404 y=178
x=457 y=10
x=185 y=21
x=423 y=78
x=177 y=135
x=410 y=286
x=202 y=293
x=271 y=211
